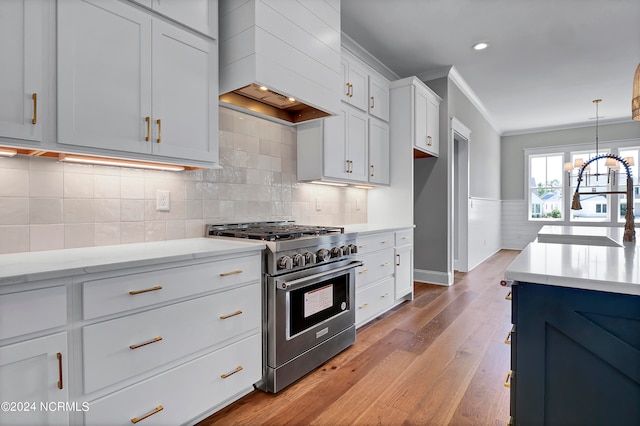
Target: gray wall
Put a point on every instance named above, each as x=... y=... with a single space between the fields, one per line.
x=512 y=150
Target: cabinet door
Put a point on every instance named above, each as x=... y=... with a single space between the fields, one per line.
x=184 y=112
x=197 y=14
x=433 y=126
x=21 y=50
x=30 y=372
x=335 y=145
x=104 y=70
x=378 y=152
x=420 y=118
x=379 y=98
x=404 y=266
x=355 y=85
x=357 y=146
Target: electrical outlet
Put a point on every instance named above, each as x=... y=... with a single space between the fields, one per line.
x=318 y=203
x=357 y=204
x=163 y=200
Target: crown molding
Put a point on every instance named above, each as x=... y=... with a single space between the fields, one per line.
x=568 y=126
x=363 y=54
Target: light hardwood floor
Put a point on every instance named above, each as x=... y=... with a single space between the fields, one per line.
x=437 y=360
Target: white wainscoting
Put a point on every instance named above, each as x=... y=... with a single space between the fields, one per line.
x=517 y=231
x=484 y=218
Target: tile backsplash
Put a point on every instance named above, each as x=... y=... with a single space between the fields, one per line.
x=47 y=205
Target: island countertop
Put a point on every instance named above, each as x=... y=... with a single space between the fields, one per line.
x=590 y=235
x=32 y=266
x=589 y=267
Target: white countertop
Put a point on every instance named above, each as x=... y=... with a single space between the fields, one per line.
x=589 y=235
x=590 y=267
x=27 y=267
x=364 y=228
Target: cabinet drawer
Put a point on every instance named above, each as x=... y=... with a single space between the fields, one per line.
x=121 y=348
x=372 y=301
x=376 y=266
x=201 y=377
x=123 y=293
x=34 y=310
x=404 y=237
x=373 y=242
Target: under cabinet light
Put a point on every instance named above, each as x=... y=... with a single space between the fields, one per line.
x=318 y=182
x=8 y=152
x=364 y=186
x=83 y=159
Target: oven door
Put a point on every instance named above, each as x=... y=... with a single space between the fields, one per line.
x=306 y=308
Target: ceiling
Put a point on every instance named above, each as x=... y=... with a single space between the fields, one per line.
x=547 y=59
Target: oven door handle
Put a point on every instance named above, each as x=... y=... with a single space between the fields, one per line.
x=290 y=285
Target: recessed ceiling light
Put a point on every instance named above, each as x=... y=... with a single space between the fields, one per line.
x=264 y=88
x=481 y=45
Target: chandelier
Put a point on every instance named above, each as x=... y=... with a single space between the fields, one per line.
x=612 y=163
x=635 y=98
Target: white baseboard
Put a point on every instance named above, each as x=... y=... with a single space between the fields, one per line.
x=432 y=277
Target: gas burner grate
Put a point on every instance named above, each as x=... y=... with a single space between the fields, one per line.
x=271 y=231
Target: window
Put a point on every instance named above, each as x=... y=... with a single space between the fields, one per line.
x=545 y=187
x=550 y=187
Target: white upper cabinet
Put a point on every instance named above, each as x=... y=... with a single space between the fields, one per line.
x=201 y=15
x=415 y=116
x=129 y=83
x=355 y=84
x=22 y=95
x=379 y=97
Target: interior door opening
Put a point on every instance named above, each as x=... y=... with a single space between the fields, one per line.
x=460 y=201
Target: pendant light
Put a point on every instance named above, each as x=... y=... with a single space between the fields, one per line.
x=635 y=99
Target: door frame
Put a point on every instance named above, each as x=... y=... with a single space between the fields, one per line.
x=460 y=137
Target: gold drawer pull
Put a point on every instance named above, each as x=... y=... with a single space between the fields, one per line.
x=59 y=356
x=373 y=170
x=231 y=373
x=385 y=264
x=148 y=121
x=507 y=381
x=384 y=295
x=363 y=306
x=430 y=140
x=159 y=123
x=508 y=296
x=236 y=272
x=364 y=271
x=508 y=339
x=156 y=410
x=362 y=246
x=154 y=340
x=230 y=315
x=146 y=290
x=384 y=242
x=373 y=102
x=35 y=108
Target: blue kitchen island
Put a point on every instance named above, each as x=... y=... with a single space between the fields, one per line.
x=575 y=341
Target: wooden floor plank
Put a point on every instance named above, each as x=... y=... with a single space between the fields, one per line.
x=439 y=359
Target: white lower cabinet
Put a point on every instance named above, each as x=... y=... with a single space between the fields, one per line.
x=374 y=300
x=404 y=263
x=181 y=394
x=33 y=376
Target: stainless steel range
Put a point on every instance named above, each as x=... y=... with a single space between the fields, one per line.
x=308 y=295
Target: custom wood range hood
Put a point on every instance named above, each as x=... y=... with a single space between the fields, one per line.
x=280 y=60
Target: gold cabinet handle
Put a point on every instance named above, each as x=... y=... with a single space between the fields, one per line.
x=154 y=340
x=148 y=121
x=230 y=315
x=364 y=271
x=346 y=166
x=373 y=102
x=362 y=246
x=384 y=295
x=507 y=381
x=59 y=356
x=363 y=306
x=231 y=373
x=146 y=290
x=429 y=141
x=34 y=120
x=372 y=170
x=348 y=90
x=385 y=264
x=398 y=256
x=508 y=338
x=149 y=414
x=159 y=123
x=384 y=242
x=226 y=274
x=508 y=296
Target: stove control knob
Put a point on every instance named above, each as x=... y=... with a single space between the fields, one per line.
x=346 y=250
x=298 y=260
x=310 y=258
x=323 y=255
x=285 y=262
x=353 y=248
x=336 y=252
